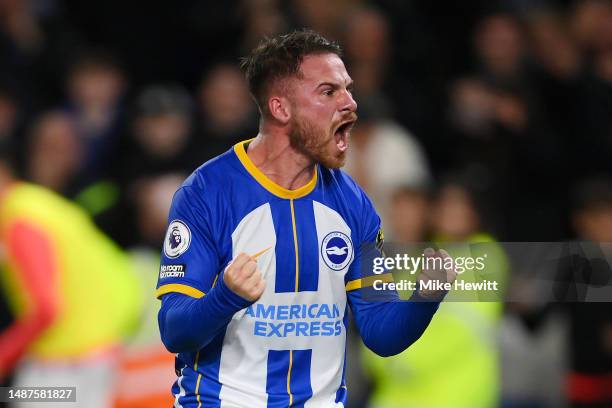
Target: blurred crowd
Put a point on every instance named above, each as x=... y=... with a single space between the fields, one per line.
x=478 y=120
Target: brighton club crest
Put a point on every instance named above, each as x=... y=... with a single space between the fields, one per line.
x=337 y=250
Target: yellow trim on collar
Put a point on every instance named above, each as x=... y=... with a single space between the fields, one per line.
x=177 y=287
x=269 y=184
x=368 y=281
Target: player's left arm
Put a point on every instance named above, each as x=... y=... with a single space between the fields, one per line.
x=387 y=325
x=390 y=327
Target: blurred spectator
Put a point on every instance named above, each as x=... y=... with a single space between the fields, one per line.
x=161 y=134
x=593 y=129
x=556 y=71
x=454 y=215
x=325 y=17
x=36 y=42
x=592 y=212
x=591 y=24
x=461 y=210
x=409 y=214
x=143 y=374
x=586 y=375
x=532 y=362
x=21 y=39
x=373 y=63
x=71 y=290
x=160 y=140
x=54 y=158
x=553 y=47
x=500 y=48
x=55 y=153
x=592 y=146
x=472 y=107
x=384 y=156
x=367 y=49
x=11 y=122
x=226 y=113
x=262 y=18
x=589 y=382
x=21 y=26
x=95 y=87
x=503 y=140
x=153 y=197
x=9 y=116
x=455 y=364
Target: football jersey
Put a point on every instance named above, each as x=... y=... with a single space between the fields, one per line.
x=288 y=348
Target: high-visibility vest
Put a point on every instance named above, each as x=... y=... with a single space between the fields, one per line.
x=454 y=364
x=99 y=296
x=146 y=369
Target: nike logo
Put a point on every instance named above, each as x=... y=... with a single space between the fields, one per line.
x=258 y=254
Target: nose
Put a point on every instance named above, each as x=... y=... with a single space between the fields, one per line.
x=348 y=103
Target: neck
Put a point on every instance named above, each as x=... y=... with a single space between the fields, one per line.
x=273 y=155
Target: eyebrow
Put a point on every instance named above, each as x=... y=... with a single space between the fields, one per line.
x=334 y=85
x=330 y=84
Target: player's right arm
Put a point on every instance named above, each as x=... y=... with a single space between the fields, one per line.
x=199 y=298
x=188 y=324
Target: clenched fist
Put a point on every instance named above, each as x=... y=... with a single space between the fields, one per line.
x=438 y=275
x=244 y=278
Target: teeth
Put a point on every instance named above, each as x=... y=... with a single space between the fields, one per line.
x=341 y=135
x=342 y=138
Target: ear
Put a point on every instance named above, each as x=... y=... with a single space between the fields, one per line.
x=280 y=108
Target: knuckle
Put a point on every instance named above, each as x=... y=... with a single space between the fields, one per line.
x=228 y=277
x=240 y=260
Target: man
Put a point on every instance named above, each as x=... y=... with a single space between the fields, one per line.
x=71 y=293
x=589 y=377
x=254 y=298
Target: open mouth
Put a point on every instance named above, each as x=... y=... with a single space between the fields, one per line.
x=342 y=134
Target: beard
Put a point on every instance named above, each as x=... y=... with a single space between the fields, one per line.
x=316 y=143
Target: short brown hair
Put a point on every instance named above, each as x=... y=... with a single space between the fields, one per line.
x=281 y=57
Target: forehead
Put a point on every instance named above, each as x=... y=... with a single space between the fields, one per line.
x=319 y=68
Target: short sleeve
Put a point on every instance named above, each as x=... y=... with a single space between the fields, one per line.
x=190 y=261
